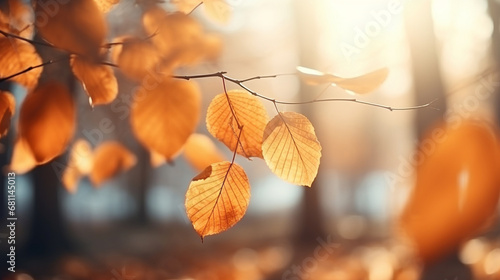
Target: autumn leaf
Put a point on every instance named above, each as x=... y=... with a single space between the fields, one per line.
x=77 y=26
x=217 y=198
x=110 y=158
x=80 y=164
x=216 y=10
x=165 y=115
x=22 y=159
x=18 y=56
x=20 y=19
x=178 y=38
x=200 y=151
x=135 y=57
x=291 y=149
x=106 y=5
x=98 y=80
x=225 y=115
x=456 y=189
x=47 y=121
x=7 y=109
x=362 y=84
x=156 y=159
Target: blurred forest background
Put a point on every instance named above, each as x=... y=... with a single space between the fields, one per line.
x=135 y=226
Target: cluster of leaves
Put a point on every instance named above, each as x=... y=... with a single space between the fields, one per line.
x=165 y=110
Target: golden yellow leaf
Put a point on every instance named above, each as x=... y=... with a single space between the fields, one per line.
x=165 y=114
x=18 y=56
x=291 y=149
x=7 y=109
x=22 y=158
x=200 y=151
x=76 y=26
x=98 y=80
x=362 y=84
x=106 y=5
x=217 y=198
x=47 y=121
x=136 y=57
x=456 y=190
x=250 y=114
x=79 y=164
x=110 y=158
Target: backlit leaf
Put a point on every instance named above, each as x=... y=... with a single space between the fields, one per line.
x=291 y=149
x=200 y=151
x=106 y=5
x=250 y=114
x=22 y=158
x=217 y=10
x=165 y=114
x=110 y=158
x=98 y=80
x=217 y=198
x=7 y=108
x=21 y=18
x=17 y=56
x=79 y=164
x=47 y=121
x=77 y=26
x=456 y=190
x=362 y=84
x=178 y=38
x=136 y=57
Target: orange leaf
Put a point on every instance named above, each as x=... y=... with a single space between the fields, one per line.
x=164 y=115
x=456 y=190
x=110 y=158
x=156 y=159
x=291 y=149
x=217 y=198
x=106 y=5
x=7 y=108
x=21 y=18
x=250 y=114
x=200 y=151
x=47 y=121
x=22 y=158
x=98 y=80
x=136 y=57
x=79 y=164
x=217 y=10
x=17 y=56
x=362 y=84
x=77 y=26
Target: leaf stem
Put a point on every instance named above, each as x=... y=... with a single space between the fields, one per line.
x=31 y=68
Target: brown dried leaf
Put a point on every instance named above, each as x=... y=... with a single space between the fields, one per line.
x=7 y=109
x=98 y=80
x=291 y=149
x=200 y=151
x=77 y=26
x=18 y=56
x=110 y=158
x=165 y=115
x=47 y=121
x=250 y=114
x=217 y=198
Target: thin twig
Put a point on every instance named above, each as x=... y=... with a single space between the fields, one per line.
x=199 y=4
x=7 y=34
x=31 y=68
x=241 y=84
